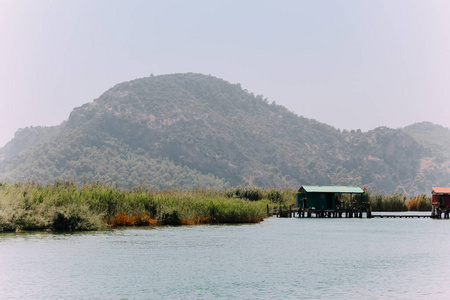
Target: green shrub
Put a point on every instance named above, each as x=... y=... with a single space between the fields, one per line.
x=395 y=202
x=249 y=193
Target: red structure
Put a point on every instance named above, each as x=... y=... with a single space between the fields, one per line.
x=440 y=200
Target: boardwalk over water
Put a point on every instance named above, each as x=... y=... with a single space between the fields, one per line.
x=317 y=213
x=292 y=212
x=401 y=216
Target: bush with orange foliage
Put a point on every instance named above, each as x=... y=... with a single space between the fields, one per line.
x=419 y=203
x=123 y=219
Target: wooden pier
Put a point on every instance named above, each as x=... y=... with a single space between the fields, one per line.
x=363 y=212
x=402 y=216
x=292 y=212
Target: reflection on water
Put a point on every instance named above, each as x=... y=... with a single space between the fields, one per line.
x=279 y=258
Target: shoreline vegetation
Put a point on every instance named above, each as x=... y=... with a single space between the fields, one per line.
x=65 y=206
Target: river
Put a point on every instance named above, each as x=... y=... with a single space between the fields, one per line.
x=276 y=259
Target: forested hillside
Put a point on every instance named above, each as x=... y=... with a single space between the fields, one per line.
x=193 y=130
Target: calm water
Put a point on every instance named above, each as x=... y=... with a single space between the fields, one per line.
x=277 y=259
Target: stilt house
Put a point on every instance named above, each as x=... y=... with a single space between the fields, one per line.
x=324 y=197
x=441 y=197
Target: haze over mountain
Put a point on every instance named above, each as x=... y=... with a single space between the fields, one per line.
x=192 y=130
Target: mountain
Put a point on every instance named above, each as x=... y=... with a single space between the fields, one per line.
x=192 y=130
x=433 y=137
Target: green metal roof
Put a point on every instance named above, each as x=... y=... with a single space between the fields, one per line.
x=332 y=189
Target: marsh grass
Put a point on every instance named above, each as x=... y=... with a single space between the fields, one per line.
x=399 y=202
x=419 y=203
x=63 y=206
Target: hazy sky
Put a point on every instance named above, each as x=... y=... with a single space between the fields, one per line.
x=350 y=64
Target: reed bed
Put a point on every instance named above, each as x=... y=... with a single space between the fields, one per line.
x=419 y=203
x=397 y=202
x=64 y=206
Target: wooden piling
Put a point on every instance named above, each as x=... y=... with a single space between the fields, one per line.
x=369 y=211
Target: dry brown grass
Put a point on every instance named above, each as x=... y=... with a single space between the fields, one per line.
x=132 y=220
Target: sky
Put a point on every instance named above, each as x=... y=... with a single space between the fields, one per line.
x=350 y=64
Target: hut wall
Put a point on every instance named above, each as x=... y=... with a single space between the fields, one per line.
x=442 y=200
x=321 y=200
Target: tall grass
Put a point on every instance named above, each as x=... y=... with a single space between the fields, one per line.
x=284 y=197
x=35 y=207
x=419 y=203
x=64 y=206
x=399 y=202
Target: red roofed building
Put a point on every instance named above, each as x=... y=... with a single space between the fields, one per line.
x=440 y=199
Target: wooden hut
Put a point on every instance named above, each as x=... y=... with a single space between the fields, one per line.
x=440 y=199
x=324 y=197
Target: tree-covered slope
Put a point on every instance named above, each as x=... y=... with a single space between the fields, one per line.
x=192 y=130
x=27 y=138
x=433 y=137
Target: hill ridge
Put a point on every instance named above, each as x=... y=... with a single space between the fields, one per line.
x=159 y=131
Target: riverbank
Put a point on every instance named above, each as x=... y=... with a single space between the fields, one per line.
x=64 y=206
